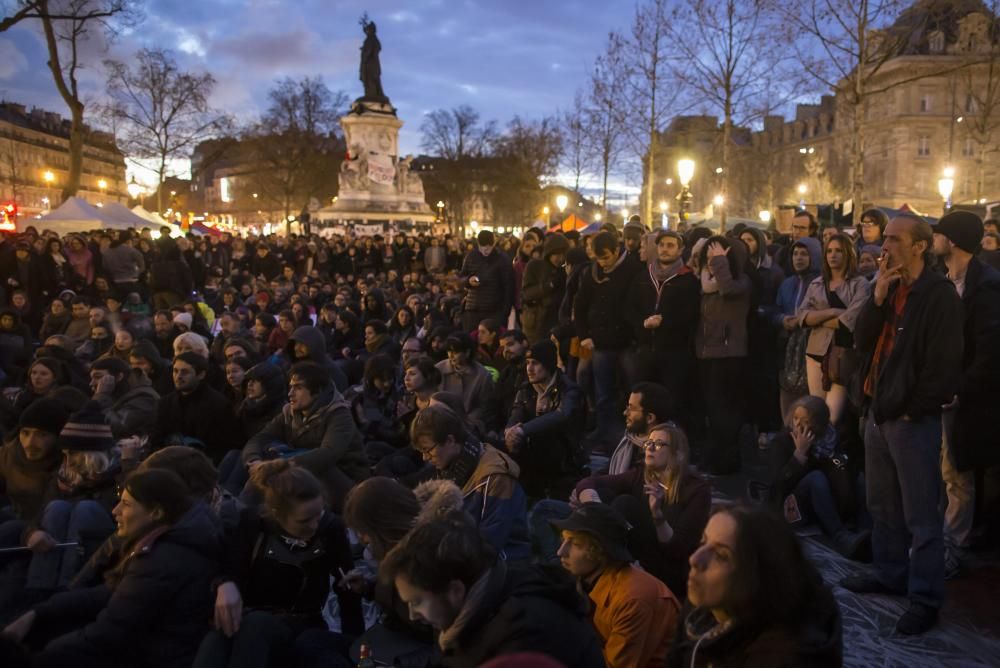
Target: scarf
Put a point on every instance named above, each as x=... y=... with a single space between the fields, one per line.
x=460 y=470
x=601 y=276
x=489 y=583
x=623 y=458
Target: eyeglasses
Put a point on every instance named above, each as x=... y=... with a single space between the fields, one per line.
x=428 y=453
x=656 y=445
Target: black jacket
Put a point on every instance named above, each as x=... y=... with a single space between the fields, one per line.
x=600 y=306
x=205 y=415
x=679 y=302
x=922 y=372
x=525 y=609
x=171 y=276
x=155 y=614
x=975 y=443
x=312 y=338
x=275 y=576
x=495 y=292
x=543 y=287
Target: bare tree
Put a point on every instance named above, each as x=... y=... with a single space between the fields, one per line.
x=161 y=111
x=296 y=145
x=577 y=157
x=524 y=158
x=727 y=65
x=846 y=45
x=66 y=25
x=604 y=115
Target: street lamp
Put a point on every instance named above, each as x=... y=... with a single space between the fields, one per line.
x=134 y=189
x=669 y=182
x=663 y=215
x=561 y=202
x=802 y=195
x=49 y=176
x=440 y=206
x=946 y=186
x=685 y=172
x=765 y=216
x=548 y=218
x=718 y=200
x=103 y=185
x=597 y=217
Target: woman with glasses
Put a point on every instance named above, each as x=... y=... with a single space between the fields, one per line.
x=871 y=227
x=665 y=500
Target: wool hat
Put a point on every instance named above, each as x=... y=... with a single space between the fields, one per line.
x=46 y=414
x=602 y=522
x=183 y=319
x=963 y=228
x=146 y=350
x=87 y=429
x=545 y=353
x=555 y=244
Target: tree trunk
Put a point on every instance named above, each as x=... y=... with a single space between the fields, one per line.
x=72 y=184
x=726 y=133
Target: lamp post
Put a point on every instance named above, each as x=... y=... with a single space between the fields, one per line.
x=946 y=186
x=134 y=189
x=548 y=216
x=562 y=201
x=765 y=216
x=664 y=223
x=440 y=207
x=685 y=172
x=803 y=189
x=102 y=185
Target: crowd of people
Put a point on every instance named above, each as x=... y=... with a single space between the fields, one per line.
x=424 y=451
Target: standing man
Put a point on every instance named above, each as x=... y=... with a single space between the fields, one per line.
x=910 y=334
x=489 y=283
x=803 y=225
x=599 y=316
x=543 y=286
x=123 y=264
x=967 y=445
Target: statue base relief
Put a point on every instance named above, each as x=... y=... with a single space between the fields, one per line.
x=375 y=183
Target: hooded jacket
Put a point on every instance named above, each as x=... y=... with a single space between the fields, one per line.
x=326 y=434
x=678 y=300
x=205 y=415
x=599 y=309
x=312 y=338
x=15 y=343
x=793 y=289
x=132 y=412
x=475 y=385
x=495 y=499
x=722 y=327
x=521 y=609
x=162 y=379
x=155 y=613
x=255 y=414
x=25 y=483
x=542 y=289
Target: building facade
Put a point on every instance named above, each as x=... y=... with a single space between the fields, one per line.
x=34 y=161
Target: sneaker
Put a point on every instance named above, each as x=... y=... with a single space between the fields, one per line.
x=917 y=619
x=866 y=584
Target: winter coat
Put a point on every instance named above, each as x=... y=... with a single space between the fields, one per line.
x=852 y=292
x=792 y=290
x=494 y=296
x=205 y=415
x=553 y=456
x=635 y=615
x=975 y=443
x=15 y=344
x=26 y=483
x=924 y=369
x=171 y=276
x=155 y=613
x=295 y=580
x=678 y=301
x=599 y=309
x=475 y=385
x=327 y=434
x=522 y=609
x=722 y=327
x=78 y=330
x=542 y=289
x=817 y=642
x=122 y=263
x=688 y=517
x=133 y=412
x=312 y=338
x=268 y=266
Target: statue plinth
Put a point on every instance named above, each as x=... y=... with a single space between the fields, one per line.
x=376 y=185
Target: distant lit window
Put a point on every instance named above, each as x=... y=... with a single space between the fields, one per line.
x=923 y=146
x=925 y=103
x=224 y=192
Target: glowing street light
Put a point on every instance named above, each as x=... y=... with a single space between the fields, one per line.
x=103 y=185
x=134 y=189
x=685 y=172
x=669 y=182
x=597 y=217
x=765 y=216
x=946 y=186
x=561 y=202
x=718 y=200
x=48 y=176
x=803 y=188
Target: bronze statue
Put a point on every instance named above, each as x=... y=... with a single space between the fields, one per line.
x=371 y=69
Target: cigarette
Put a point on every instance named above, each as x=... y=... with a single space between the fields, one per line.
x=24 y=548
x=343 y=575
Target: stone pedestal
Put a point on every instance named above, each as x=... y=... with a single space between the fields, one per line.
x=376 y=184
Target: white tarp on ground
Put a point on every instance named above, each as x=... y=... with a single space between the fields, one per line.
x=76 y=215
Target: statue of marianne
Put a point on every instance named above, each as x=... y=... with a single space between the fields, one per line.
x=371 y=69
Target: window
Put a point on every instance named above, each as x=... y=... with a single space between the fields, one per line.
x=936 y=42
x=923 y=146
x=966 y=185
x=925 y=103
x=224 y=193
x=920 y=180
x=968 y=148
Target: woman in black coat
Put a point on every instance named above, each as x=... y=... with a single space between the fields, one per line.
x=155 y=604
x=269 y=600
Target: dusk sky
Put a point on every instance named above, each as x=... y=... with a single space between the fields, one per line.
x=503 y=57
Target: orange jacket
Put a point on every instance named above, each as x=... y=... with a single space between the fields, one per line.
x=636 y=616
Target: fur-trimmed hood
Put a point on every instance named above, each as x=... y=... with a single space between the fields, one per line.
x=436 y=498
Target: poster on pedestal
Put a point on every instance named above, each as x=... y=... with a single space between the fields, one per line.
x=380 y=169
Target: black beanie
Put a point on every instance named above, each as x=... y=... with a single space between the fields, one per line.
x=46 y=414
x=87 y=429
x=545 y=353
x=962 y=228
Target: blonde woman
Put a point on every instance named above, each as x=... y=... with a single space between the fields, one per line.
x=830 y=307
x=665 y=500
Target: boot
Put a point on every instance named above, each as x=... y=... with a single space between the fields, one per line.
x=853 y=545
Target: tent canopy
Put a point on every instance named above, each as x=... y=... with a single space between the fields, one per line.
x=571 y=222
x=76 y=215
x=121 y=213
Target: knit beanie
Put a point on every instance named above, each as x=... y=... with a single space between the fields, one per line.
x=183 y=319
x=146 y=350
x=963 y=228
x=87 y=429
x=555 y=244
x=48 y=415
x=545 y=352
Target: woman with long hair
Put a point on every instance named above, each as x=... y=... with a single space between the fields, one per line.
x=830 y=307
x=665 y=500
x=276 y=576
x=755 y=599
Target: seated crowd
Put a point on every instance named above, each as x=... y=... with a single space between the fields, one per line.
x=340 y=448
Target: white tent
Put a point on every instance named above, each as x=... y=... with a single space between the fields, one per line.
x=76 y=215
x=121 y=213
x=157 y=221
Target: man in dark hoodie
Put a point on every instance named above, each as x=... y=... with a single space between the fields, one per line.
x=482 y=606
x=599 y=316
x=146 y=358
x=316 y=430
x=126 y=396
x=806 y=261
x=307 y=344
x=15 y=344
x=542 y=288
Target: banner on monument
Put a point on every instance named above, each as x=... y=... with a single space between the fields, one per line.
x=381 y=169
x=367 y=230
